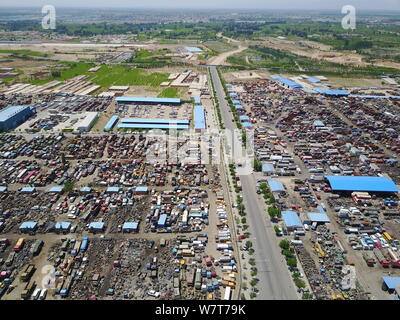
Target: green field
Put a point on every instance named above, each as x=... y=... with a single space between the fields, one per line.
x=107 y=76
x=125 y=76
x=169 y=93
x=25 y=52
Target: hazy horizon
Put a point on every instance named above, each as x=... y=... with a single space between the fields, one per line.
x=366 y=5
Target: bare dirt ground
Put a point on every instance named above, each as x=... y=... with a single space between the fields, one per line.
x=320 y=51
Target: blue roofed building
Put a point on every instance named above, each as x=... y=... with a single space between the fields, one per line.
x=268 y=169
x=147 y=100
x=62 y=226
x=113 y=189
x=391 y=284
x=247 y=124
x=56 y=189
x=199 y=118
x=96 y=227
x=194 y=49
x=162 y=220
x=3 y=189
x=12 y=116
x=140 y=123
x=317 y=217
x=141 y=190
x=28 y=190
x=111 y=123
x=276 y=186
x=130 y=227
x=286 y=82
x=28 y=226
x=292 y=220
x=85 y=189
x=361 y=183
x=244 y=118
x=197 y=100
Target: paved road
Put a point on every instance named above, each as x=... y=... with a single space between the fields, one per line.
x=274 y=279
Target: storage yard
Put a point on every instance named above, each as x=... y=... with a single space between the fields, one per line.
x=330 y=161
x=103 y=214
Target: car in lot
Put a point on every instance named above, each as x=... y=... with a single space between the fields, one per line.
x=153 y=293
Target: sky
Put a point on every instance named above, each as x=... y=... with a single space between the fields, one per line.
x=220 y=4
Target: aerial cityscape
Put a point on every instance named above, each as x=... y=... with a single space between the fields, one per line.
x=181 y=152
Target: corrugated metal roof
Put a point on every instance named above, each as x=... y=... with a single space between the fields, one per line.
x=291 y=219
x=313 y=80
x=318 y=217
x=148 y=100
x=275 y=185
x=362 y=183
x=336 y=92
x=152 y=126
x=162 y=219
x=130 y=225
x=63 y=225
x=247 y=124
x=141 y=189
x=199 y=120
x=318 y=123
x=10 y=111
x=28 y=225
x=154 y=121
x=113 y=189
x=28 y=189
x=288 y=82
x=268 y=167
x=193 y=49
x=391 y=282
x=110 y=124
x=96 y=225
x=56 y=189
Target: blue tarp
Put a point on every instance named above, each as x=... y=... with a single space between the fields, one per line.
x=361 y=183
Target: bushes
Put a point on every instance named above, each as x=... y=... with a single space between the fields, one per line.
x=284 y=244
